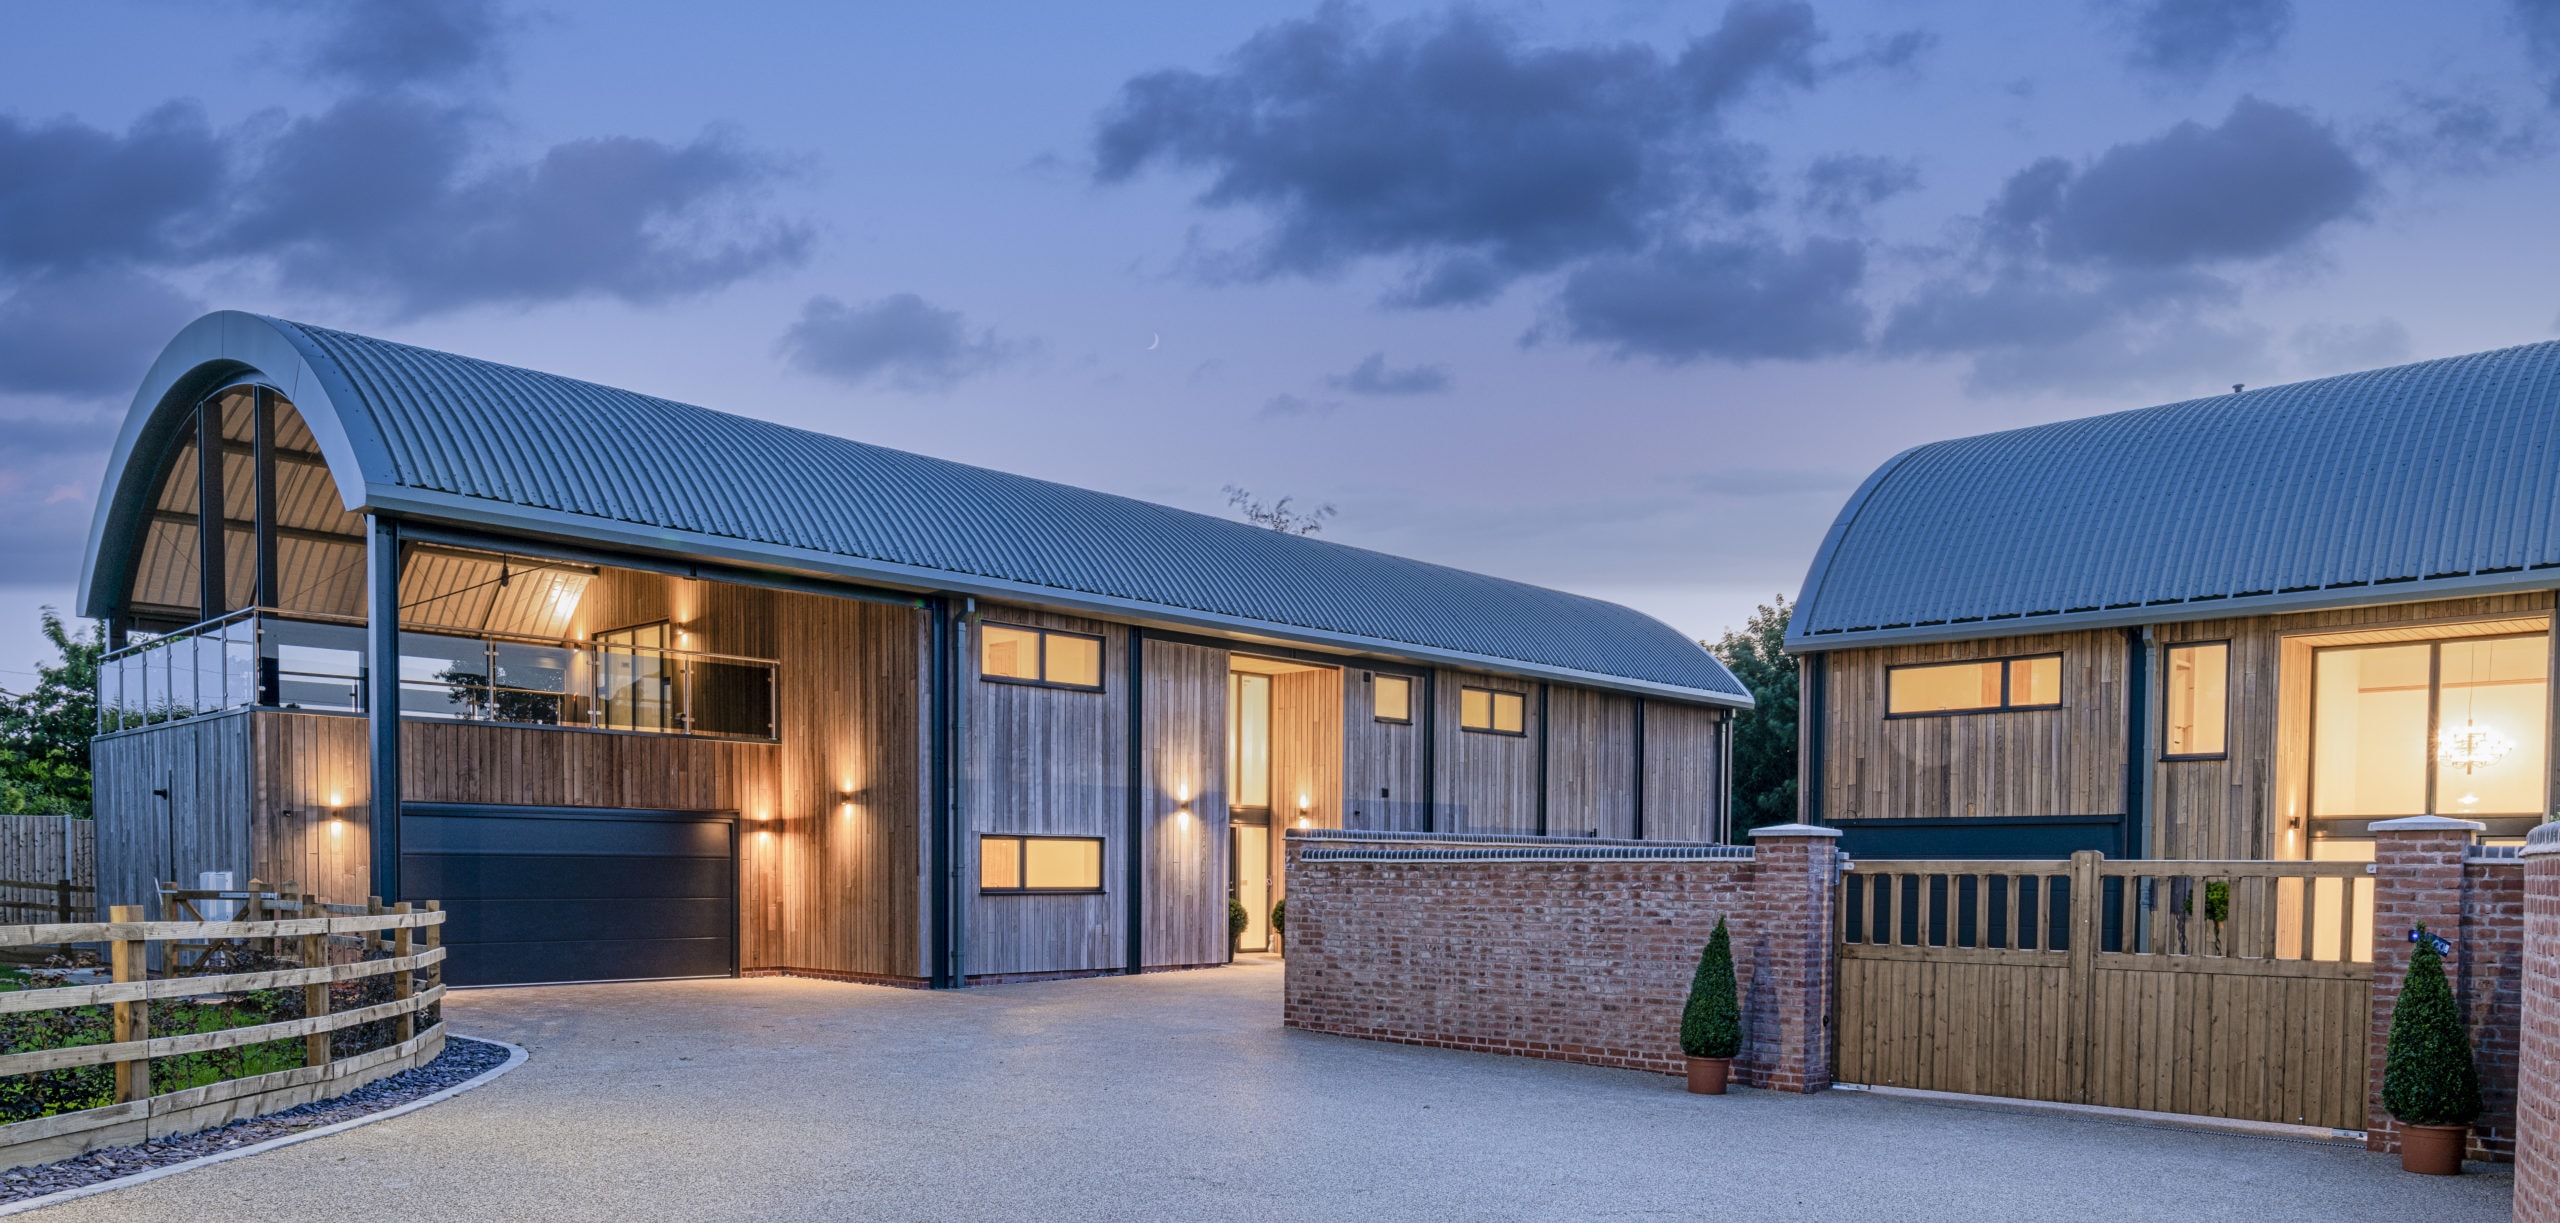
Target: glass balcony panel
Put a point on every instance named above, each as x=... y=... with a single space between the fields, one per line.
x=532 y=683
x=444 y=677
x=240 y=663
x=732 y=699
x=636 y=689
x=208 y=655
x=315 y=666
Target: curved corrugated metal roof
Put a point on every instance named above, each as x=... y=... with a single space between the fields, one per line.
x=2421 y=481
x=452 y=437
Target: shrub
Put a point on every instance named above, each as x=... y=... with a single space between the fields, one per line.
x=1280 y=918
x=1711 y=1024
x=2427 y=1075
x=1237 y=918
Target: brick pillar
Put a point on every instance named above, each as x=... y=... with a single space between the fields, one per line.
x=2417 y=878
x=2538 y=1069
x=1794 y=874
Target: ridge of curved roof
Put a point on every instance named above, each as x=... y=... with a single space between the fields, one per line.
x=2429 y=480
x=436 y=435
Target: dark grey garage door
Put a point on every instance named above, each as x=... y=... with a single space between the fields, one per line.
x=575 y=893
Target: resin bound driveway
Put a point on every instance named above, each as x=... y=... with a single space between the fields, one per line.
x=1179 y=1096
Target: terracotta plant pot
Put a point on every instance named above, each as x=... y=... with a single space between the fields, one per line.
x=2432 y=1150
x=1708 y=1074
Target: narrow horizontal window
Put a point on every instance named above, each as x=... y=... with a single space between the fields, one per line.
x=1391 y=698
x=1976 y=686
x=2197 y=700
x=1492 y=712
x=1013 y=655
x=1039 y=864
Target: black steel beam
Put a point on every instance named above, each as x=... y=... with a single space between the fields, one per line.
x=1639 y=778
x=213 y=593
x=382 y=696
x=1136 y=850
x=262 y=524
x=1543 y=740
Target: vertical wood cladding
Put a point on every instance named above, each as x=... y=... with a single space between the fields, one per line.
x=2067 y=761
x=1683 y=771
x=1306 y=758
x=1381 y=761
x=202 y=822
x=1052 y=761
x=1186 y=765
x=1591 y=758
x=1488 y=782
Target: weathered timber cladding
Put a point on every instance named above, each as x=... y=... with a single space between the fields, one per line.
x=1683 y=778
x=1186 y=868
x=1591 y=759
x=2067 y=761
x=1488 y=782
x=1306 y=759
x=1381 y=761
x=46 y=849
x=311 y=820
x=200 y=824
x=1051 y=761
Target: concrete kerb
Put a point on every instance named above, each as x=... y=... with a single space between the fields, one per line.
x=2118 y=1116
x=515 y=1058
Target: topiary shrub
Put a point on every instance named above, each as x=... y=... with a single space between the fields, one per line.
x=1280 y=918
x=1237 y=919
x=2427 y=1075
x=1711 y=1024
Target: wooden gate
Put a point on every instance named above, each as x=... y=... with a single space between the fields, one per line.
x=2222 y=989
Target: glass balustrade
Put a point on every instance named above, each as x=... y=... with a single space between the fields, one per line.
x=262 y=659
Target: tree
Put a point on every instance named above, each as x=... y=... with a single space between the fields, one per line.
x=1764 y=739
x=1711 y=1023
x=2427 y=1075
x=44 y=733
x=1277 y=515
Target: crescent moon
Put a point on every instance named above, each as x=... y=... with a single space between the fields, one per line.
x=1154 y=338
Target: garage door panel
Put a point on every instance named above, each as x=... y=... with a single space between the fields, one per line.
x=563 y=877
x=593 y=960
x=545 y=835
x=564 y=921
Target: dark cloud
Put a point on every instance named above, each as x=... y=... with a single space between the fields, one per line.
x=1840 y=189
x=901 y=339
x=72 y=195
x=85 y=333
x=2446 y=135
x=389 y=43
x=2188 y=40
x=385 y=197
x=1737 y=300
x=1373 y=376
x=2539 y=21
x=1449 y=142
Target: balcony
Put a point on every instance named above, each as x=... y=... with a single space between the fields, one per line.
x=261 y=658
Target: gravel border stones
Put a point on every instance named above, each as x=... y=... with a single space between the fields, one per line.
x=462 y=1060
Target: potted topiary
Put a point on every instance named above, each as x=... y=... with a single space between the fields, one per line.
x=1279 y=925
x=1711 y=1024
x=1237 y=919
x=2428 y=1081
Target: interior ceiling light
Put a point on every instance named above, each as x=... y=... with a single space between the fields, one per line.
x=2472 y=747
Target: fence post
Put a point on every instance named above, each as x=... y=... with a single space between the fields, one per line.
x=435 y=939
x=132 y=1019
x=2083 y=952
x=401 y=984
x=2417 y=877
x=255 y=910
x=1794 y=878
x=315 y=997
x=62 y=902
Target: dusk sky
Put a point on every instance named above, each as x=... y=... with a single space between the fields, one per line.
x=1622 y=298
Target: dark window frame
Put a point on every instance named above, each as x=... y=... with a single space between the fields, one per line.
x=2169 y=648
x=1371 y=678
x=2061 y=700
x=1497 y=694
x=1102 y=656
x=1022 y=865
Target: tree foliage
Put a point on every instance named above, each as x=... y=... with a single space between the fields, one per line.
x=1711 y=1024
x=1278 y=515
x=44 y=732
x=2427 y=1075
x=1764 y=739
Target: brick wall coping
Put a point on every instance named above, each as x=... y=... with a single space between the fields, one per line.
x=1318 y=835
x=2426 y=823
x=1530 y=853
x=2494 y=854
x=2544 y=839
x=1795 y=830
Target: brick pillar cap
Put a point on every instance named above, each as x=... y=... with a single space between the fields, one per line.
x=1794 y=830
x=2426 y=823
x=2544 y=839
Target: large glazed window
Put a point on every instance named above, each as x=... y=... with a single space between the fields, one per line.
x=1046 y=657
x=1249 y=740
x=319 y=546
x=2452 y=727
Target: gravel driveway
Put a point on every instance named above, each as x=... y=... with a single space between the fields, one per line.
x=1180 y=1096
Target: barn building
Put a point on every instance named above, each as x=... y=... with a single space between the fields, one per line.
x=684 y=693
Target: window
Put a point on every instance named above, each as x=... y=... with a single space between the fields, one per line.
x=1391 y=698
x=1974 y=687
x=1494 y=713
x=2197 y=701
x=2455 y=727
x=1249 y=740
x=1039 y=656
x=1039 y=864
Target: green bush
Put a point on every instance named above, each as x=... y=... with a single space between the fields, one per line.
x=1237 y=918
x=1711 y=1024
x=2427 y=1075
x=1280 y=918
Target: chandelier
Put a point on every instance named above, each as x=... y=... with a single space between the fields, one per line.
x=2472 y=746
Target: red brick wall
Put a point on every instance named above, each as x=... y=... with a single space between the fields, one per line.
x=2490 y=958
x=2421 y=876
x=2537 y=1124
x=1582 y=960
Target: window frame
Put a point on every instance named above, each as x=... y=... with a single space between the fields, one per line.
x=2431 y=798
x=2168 y=648
x=1102 y=657
x=1371 y=678
x=1490 y=706
x=1022 y=864
x=2060 y=700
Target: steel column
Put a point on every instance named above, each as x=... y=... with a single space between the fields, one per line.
x=382 y=696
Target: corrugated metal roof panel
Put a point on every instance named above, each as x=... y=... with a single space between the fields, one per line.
x=2439 y=475
x=475 y=429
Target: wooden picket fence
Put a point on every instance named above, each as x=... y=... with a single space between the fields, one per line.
x=299 y=929
x=48 y=868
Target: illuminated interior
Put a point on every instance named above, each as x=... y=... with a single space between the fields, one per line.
x=2452 y=727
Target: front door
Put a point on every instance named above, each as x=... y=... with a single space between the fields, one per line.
x=1253 y=884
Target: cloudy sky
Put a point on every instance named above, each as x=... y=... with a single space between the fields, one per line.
x=1617 y=297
